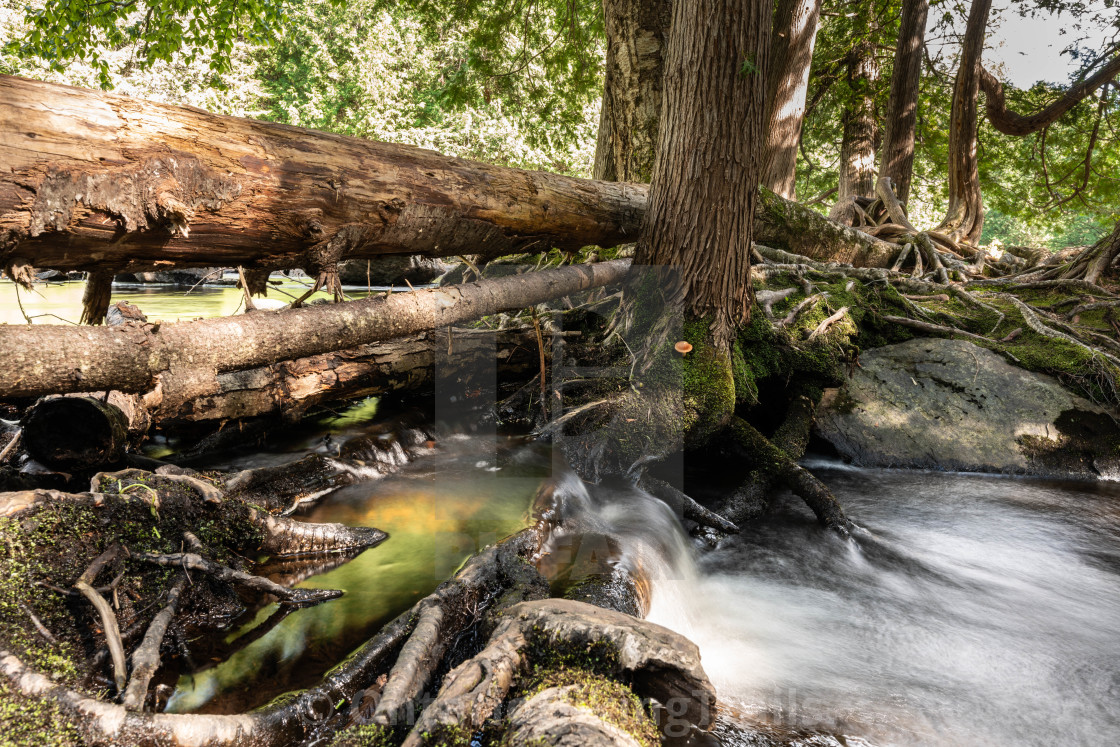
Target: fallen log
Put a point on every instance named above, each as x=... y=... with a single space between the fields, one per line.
x=291 y=388
x=184 y=359
x=136 y=185
x=98 y=181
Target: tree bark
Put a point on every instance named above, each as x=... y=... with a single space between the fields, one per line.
x=795 y=228
x=708 y=166
x=902 y=108
x=291 y=388
x=631 y=113
x=1013 y=123
x=94 y=180
x=964 y=220
x=185 y=358
x=791 y=56
x=857 y=150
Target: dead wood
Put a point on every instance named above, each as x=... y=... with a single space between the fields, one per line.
x=661 y=664
x=185 y=357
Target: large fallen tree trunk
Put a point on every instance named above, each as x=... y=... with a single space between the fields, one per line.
x=97 y=181
x=181 y=361
x=136 y=185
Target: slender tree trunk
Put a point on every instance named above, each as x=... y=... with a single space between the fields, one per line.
x=902 y=109
x=791 y=55
x=631 y=113
x=705 y=183
x=964 y=220
x=857 y=151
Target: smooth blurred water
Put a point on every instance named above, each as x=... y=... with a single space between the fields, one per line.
x=971 y=610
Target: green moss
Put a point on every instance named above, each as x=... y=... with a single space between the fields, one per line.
x=608 y=699
x=33 y=722
x=708 y=384
x=365 y=735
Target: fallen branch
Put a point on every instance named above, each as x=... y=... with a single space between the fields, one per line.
x=183 y=355
x=145 y=659
x=84 y=584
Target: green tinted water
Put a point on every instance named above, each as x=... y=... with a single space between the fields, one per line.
x=438 y=512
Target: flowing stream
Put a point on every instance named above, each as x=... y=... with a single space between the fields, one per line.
x=968 y=610
x=972 y=610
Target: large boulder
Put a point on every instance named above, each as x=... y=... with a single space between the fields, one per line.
x=949 y=404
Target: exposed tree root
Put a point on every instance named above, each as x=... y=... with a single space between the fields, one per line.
x=438 y=619
x=194 y=562
x=145 y=659
x=84 y=584
x=811 y=490
x=661 y=664
x=684 y=506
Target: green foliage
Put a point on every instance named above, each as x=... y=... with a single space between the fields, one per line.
x=159 y=30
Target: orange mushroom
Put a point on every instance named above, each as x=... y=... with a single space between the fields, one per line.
x=683 y=347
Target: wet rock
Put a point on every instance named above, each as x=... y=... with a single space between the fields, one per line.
x=177 y=276
x=949 y=404
x=391 y=270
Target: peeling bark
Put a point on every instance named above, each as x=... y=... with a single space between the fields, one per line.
x=631 y=113
x=100 y=181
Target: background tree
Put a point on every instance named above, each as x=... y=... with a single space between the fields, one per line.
x=631 y=109
x=964 y=218
x=791 y=57
x=901 y=119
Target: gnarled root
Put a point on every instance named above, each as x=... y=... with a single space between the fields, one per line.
x=788 y=472
x=661 y=664
x=195 y=562
x=456 y=604
x=292 y=719
x=284 y=536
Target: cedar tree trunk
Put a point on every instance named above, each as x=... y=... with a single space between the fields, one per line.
x=902 y=109
x=791 y=55
x=706 y=177
x=964 y=220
